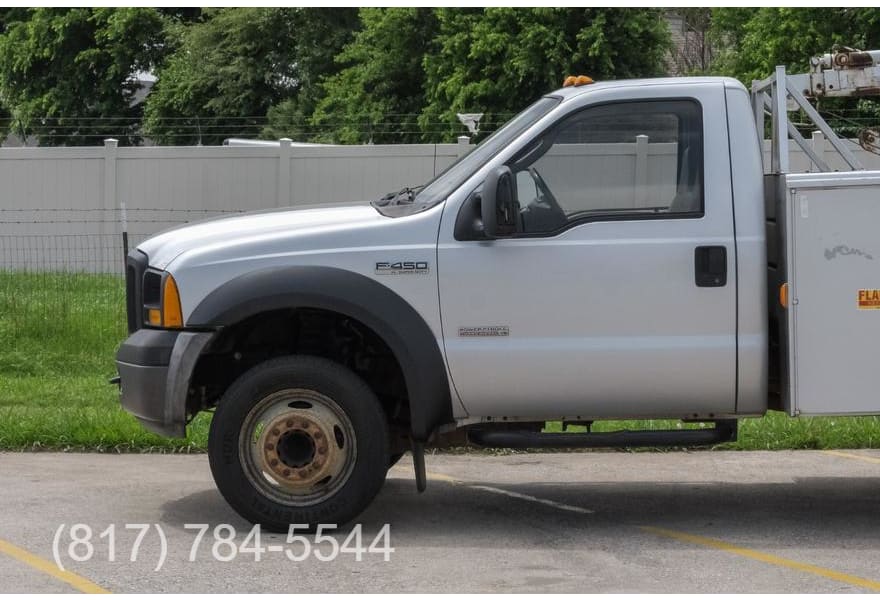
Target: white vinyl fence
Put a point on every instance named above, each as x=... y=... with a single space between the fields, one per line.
x=61 y=209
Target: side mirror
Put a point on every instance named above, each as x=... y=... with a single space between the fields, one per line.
x=499 y=206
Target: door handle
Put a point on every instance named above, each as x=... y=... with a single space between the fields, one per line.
x=710 y=266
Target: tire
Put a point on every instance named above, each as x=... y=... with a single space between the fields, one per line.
x=318 y=449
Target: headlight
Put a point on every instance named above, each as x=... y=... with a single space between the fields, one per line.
x=162 y=301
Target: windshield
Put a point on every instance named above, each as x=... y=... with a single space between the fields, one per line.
x=453 y=176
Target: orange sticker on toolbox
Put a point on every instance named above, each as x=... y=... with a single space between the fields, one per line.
x=869 y=299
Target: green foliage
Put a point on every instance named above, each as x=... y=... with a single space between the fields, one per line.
x=755 y=40
x=377 y=96
x=224 y=69
x=66 y=74
x=752 y=41
x=321 y=40
x=497 y=60
x=229 y=68
x=409 y=71
x=381 y=75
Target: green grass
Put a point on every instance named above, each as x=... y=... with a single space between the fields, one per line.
x=775 y=431
x=59 y=334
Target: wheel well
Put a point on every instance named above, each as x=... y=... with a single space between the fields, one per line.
x=305 y=331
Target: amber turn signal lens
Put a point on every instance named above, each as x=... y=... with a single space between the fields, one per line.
x=783 y=295
x=154 y=317
x=171 y=312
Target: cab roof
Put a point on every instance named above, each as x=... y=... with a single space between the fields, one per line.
x=570 y=92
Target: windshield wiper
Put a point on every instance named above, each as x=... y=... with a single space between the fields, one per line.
x=405 y=196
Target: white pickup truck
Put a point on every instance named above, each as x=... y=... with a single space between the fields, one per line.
x=614 y=251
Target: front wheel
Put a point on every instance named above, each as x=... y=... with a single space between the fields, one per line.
x=301 y=440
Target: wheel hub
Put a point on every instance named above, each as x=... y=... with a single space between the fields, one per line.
x=296 y=450
x=297 y=446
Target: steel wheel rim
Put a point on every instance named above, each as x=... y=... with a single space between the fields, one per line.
x=297 y=447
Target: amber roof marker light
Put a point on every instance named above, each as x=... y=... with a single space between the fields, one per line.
x=577 y=81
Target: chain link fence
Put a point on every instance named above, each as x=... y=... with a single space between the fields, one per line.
x=62 y=295
x=67 y=215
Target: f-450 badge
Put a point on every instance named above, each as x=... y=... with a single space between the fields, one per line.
x=402 y=268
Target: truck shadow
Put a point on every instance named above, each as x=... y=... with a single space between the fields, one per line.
x=821 y=512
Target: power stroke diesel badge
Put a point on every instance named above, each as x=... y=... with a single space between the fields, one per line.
x=484 y=331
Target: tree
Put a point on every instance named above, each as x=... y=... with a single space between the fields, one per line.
x=754 y=41
x=321 y=34
x=66 y=75
x=379 y=93
x=224 y=71
x=496 y=60
x=694 y=51
x=227 y=70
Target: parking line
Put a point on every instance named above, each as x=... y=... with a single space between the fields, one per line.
x=696 y=539
x=32 y=560
x=869 y=459
x=442 y=477
x=511 y=494
x=545 y=502
x=765 y=558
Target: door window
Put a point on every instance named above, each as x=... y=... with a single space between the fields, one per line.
x=632 y=160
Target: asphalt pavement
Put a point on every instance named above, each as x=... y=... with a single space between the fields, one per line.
x=806 y=521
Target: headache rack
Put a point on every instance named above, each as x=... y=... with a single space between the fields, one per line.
x=842 y=73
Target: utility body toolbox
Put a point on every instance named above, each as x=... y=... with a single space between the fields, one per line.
x=824 y=252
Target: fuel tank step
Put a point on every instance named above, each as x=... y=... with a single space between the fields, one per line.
x=724 y=431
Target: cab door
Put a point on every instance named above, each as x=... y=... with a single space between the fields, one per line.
x=617 y=295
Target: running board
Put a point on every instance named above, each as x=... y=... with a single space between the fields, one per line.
x=724 y=431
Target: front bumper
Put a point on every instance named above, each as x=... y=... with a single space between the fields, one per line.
x=155 y=367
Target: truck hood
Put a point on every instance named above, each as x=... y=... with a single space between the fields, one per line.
x=164 y=247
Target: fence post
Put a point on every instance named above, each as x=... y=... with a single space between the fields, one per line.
x=641 y=195
x=463 y=145
x=819 y=148
x=110 y=205
x=284 y=172
x=123 y=219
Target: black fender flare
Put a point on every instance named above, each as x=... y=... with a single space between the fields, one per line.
x=407 y=334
